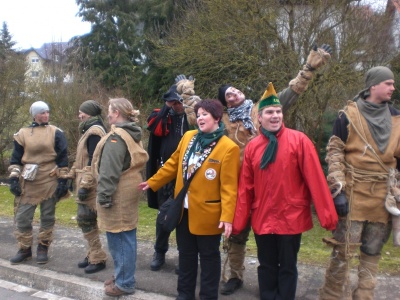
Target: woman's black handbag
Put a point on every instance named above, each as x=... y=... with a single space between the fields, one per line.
x=169 y=213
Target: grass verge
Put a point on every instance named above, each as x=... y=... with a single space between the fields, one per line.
x=312 y=250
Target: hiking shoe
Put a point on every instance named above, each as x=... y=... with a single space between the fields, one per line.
x=109 y=281
x=22 y=255
x=158 y=261
x=113 y=291
x=231 y=286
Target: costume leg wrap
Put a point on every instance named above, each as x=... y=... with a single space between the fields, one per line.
x=336 y=284
x=367 y=270
x=45 y=236
x=24 y=239
x=236 y=248
x=96 y=253
x=336 y=276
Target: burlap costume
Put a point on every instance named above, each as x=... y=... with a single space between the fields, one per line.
x=367 y=185
x=81 y=163
x=87 y=215
x=123 y=215
x=367 y=193
x=39 y=144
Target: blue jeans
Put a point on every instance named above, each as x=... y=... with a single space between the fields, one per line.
x=123 y=249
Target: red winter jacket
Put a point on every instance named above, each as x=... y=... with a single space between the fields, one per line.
x=279 y=197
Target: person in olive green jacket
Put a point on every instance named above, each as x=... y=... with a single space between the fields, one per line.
x=118 y=161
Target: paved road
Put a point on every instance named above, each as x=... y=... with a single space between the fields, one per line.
x=10 y=290
x=61 y=276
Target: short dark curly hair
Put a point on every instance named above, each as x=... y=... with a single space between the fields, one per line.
x=213 y=106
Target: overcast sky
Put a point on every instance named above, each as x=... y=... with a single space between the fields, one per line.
x=34 y=22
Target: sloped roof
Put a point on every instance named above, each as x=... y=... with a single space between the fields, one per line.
x=47 y=49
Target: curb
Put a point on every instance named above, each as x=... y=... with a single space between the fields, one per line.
x=64 y=285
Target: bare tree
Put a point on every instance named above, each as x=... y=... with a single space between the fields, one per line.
x=248 y=43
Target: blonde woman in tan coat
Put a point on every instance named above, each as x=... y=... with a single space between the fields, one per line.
x=118 y=161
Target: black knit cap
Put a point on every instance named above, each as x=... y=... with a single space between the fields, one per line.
x=172 y=94
x=91 y=108
x=221 y=93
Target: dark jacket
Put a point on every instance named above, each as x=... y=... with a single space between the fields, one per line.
x=166 y=130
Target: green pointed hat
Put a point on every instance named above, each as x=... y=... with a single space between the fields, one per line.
x=269 y=98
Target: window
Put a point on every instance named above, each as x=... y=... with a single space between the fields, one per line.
x=35 y=59
x=34 y=74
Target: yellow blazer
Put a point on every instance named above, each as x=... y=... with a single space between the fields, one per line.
x=213 y=190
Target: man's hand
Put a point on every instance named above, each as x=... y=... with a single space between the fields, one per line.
x=83 y=194
x=62 y=189
x=341 y=204
x=15 y=187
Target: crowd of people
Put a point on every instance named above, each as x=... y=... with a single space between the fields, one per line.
x=260 y=176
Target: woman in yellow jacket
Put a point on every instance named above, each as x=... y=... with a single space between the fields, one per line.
x=210 y=201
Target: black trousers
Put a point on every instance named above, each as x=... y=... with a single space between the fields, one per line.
x=162 y=237
x=190 y=247
x=277 y=272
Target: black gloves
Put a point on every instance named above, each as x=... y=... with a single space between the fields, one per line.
x=61 y=190
x=83 y=194
x=104 y=201
x=15 y=187
x=341 y=204
x=324 y=47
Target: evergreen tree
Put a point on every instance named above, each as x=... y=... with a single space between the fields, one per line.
x=6 y=42
x=116 y=50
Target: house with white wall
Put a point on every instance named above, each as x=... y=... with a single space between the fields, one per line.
x=47 y=62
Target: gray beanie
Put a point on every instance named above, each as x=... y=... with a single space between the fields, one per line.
x=374 y=76
x=38 y=107
x=91 y=108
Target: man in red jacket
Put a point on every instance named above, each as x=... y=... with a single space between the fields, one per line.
x=280 y=178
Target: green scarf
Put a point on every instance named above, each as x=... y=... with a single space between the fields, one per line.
x=269 y=155
x=204 y=139
x=85 y=125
